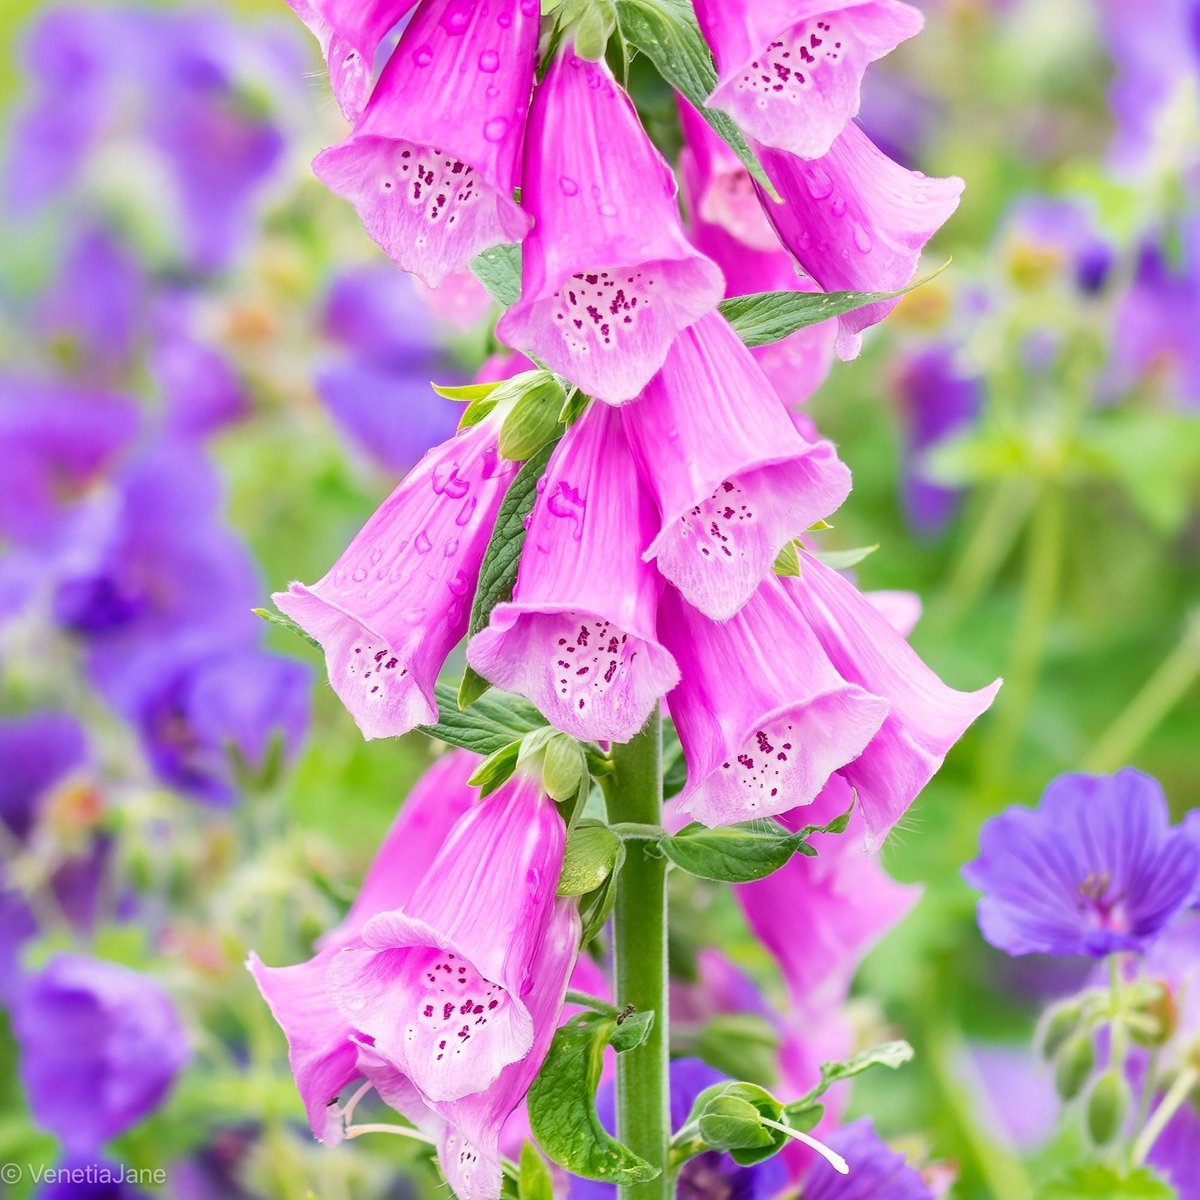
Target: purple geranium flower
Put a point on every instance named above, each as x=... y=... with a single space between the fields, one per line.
x=1095 y=869
x=709 y=1176
x=100 y=1047
x=876 y=1170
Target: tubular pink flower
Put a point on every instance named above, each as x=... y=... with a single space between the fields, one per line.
x=578 y=638
x=727 y=224
x=925 y=717
x=320 y=1050
x=439 y=985
x=763 y=716
x=790 y=71
x=856 y=221
x=432 y=162
x=733 y=479
x=398 y=600
x=608 y=277
x=847 y=900
x=349 y=32
x=467 y=1131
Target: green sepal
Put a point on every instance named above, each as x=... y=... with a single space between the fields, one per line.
x=591 y=854
x=843 y=560
x=787 y=561
x=277 y=618
x=533 y=420
x=496 y=769
x=533 y=1178
x=466 y=392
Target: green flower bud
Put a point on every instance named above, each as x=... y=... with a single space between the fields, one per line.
x=1107 y=1105
x=1075 y=1062
x=1059 y=1023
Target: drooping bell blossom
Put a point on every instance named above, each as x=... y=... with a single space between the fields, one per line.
x=433 y=185
x=936 y=401
x=320 y=1051
x=375 y=384
x=763 y=715
x=729 y=503
x=876 y=1170
x=790 y=74
x=726 y=222
x=437 y=986
x=100 y=1047
x=712 y=1175
x=856 y=221
x=607 y=276
x=349 y=33
x=1096 y=868
x=925 y=717
x=398 y=600
x=467 y=1131
x=578 y=637
x=847 y=899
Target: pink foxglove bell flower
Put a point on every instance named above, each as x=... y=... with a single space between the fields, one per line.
x=432 y=162
x=727 y=223
x=733 y=479
x=763 y=715
x=790 y=71
x=467 y=1131
x=925 y=716
x=440 y=986
x=349 y=32
x=856 y=221
x=398 y=600
x=847 y=899
x=578 y=638
x=322 y=1056
x=608 y=277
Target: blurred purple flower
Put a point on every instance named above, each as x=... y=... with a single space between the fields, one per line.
x=1155 y=330
x=1096 y=868
x=100 y=1046
x=377 y=389
x=1155 y=46
x=1046 y=235
x=1017 y=1089
x=875 y=1170
x=936 y=401
x=98 y=1182
x=709 y=1176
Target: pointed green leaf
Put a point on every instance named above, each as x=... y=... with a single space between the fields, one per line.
x=277 y=618
x=889 y=1054
x=466 y=392
x=562 y=1106
x=533 y=1180
x=843 y=560
x=787 y=562
x=490 y=724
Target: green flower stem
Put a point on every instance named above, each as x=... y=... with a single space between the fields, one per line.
x=634 y=794
x=1172 y=1102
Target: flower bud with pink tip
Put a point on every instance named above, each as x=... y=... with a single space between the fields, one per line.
x=856 y=221
x=790 y=71
x=608 y=277
x=763 y=716
x=578 y=638
x=398 y=600
x=431 y=164
x=733 y=479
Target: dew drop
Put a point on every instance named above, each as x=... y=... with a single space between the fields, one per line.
x=422 y=56
x=862 y=240
x=607 y=210
x=495 y=129
x=423 y=544
x=568 y=185
x=819 y=184
x=489 y=62
x=837 y=206
x=359 y=575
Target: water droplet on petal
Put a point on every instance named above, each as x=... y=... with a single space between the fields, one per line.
x=837 y=206
x=359 y=575
x=495 y=129
x=568 y=185
x=862 y=240
x=607 y=210
x=423 y=544
x=489 y=61
x=422 y=56
x=819 y=183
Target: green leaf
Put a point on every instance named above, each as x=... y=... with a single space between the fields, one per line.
x=496 y=769
x=499 y=270
x=277 y=618
x=466 y=392
x=765 y=317
x=667 y=33
x=596 y=905
x=730 y=1117
x=788 y=561
x=741 y=853
x=888 y=1054
x=632 y=1030
x=533 y=1180
x=491 y=723
x=562 y=1106
x=470 y=687
x=843 y=560
x=674 y=763
x=1097 y=1181
x=498 y=572
x=591 y=853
